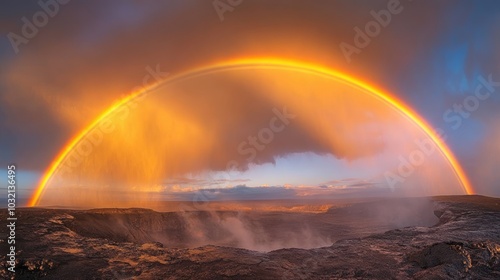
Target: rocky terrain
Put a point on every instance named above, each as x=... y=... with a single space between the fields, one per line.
x=456 y=237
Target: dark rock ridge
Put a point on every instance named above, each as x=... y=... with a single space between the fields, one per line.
x=58 y=244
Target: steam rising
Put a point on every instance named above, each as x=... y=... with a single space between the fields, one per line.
x=255 y=230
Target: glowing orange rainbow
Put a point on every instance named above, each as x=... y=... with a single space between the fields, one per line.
x=262 y=63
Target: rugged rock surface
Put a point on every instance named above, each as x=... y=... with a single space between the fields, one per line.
x=465 y=243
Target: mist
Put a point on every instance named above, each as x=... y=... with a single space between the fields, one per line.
x=257 y=230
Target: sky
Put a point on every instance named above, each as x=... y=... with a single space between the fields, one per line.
x=63 y=63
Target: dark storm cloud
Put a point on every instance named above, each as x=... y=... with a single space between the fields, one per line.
x=77 y=67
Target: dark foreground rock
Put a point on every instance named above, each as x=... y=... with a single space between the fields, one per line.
x=465 y=244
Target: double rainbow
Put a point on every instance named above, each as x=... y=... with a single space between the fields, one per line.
x=263 y=63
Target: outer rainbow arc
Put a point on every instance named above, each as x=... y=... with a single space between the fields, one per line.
x=263 y=63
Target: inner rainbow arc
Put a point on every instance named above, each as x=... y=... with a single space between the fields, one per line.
x=274 y=63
